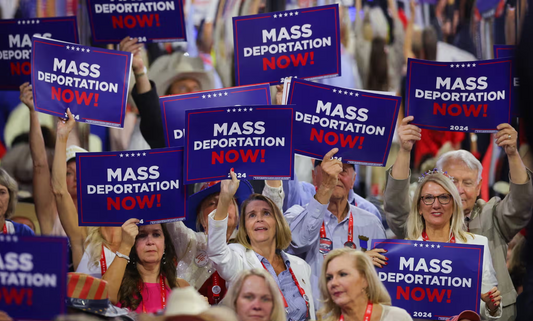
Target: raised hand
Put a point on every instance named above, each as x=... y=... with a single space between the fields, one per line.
x=506 y=138
x=130 y=230
x=64 y=126
x=409 y=134
x=130 y=45
x=331 y=168
x=26 y=95
x=228 y=187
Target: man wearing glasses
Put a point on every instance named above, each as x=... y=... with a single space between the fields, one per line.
x=498 y=220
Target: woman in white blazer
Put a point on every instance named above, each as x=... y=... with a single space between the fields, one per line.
x=261 y=238
x=437 y=215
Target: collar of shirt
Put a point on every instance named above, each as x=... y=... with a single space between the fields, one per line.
x=284 y=257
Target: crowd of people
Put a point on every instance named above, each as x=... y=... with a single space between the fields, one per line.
x=299 y=249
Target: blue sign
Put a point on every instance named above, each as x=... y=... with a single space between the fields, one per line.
x=360 y=124
x=33 y=282
x=432 y=280
x=487 y=5
x=150 y=21
x=92 y=82
x=303 y=43
x=116 y=186
x=254 y=140
x=16 y=43
x=173 y=107
x=473 y=96
x=508 y=51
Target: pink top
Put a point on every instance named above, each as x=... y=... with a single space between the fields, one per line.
x=151 y=294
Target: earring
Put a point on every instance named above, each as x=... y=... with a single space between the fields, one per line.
x=164 y=259
x=132 y=261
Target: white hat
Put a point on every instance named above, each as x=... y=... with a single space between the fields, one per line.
x=72 y=150
x=169 y=68
x=186 y=304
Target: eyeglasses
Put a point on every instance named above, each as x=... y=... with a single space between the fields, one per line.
x=430 y=199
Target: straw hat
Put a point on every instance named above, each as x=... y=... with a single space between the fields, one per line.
x=72 y=150
x=169 y=68
x=186 y=304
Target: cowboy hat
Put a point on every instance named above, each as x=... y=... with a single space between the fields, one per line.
x=193 y=202
x=186 y=304
x=169 y=68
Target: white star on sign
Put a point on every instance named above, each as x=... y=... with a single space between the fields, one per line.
x=427 y=245
x=23 y=22
x=225 y=94
x=275 y=16
x=351 y=93
x=209 y=96
x=78 y=48
x=438 y=246
x=144 y=154
x=340 y=92
x=229 y=110
x=239 y=109
x=234 y=109
x=220 y=95
x=138 y=154
x=290 y=14
x=127 y=155
x=451 y=66
x=250 y=109
x=68 y=48
x=285 y=14
x=244 y=109
x=457 y=65
x=32 y=21
x=88 y=50
x=121 y=155
x=203 y=96
x=463 y=65
x=345 y=92
x=132 y=154
x=296 y=13
x=356 y=94
x=416 y=245
x=83 y=49
x=18 y=22
x=432 y=245
x=334 y=90
x=468 y=65
x=37 y=21
x=473 y=65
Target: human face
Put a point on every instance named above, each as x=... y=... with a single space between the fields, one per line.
x=4 y=200
x=255 y=301
x=465 y=179
x=436 y=215
x=71 y=178
x=150 y=243
x=184 y=86
x=210 y=203
x=260 y=222
x=344 y=183
x=346 y=286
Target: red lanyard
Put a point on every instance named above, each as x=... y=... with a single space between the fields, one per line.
x=426 y=238
x=5 y=228
x=103 y=263
x=368 y=312
x=302 y=292
x=163 y=294
x=216 y=289
x=350 y=229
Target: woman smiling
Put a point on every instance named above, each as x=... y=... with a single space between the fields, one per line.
x=262 y=236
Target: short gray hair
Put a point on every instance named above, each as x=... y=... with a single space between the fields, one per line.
x=462 y=155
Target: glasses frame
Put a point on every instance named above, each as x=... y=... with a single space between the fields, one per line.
x=435 y=197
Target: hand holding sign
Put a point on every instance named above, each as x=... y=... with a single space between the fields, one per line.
x=228 y=187
x=506 y=138
x=130 y=230
x=409 y=134
x=133 y=46
x=64 y=126
x=26 y=95
x=378 y=259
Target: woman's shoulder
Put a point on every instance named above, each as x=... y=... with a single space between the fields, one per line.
x=391 y=313
x=21 y=229
x=476 y=239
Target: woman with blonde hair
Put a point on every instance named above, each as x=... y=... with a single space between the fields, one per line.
x=254 y=295
x=436 y=215
x=261 y=238
x=351 y=290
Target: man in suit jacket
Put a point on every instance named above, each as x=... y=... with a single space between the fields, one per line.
x=498 y=220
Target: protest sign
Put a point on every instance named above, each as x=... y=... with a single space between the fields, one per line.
x=149 y=21
x=303 y=43
x=432 y=280
x=467 y=96
x=360 y=124
x=116 y=186
x=173 y=107
x=507 y=51
x=33 y=276
x=254 y=140
x=92 y=82
x=16 y=43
